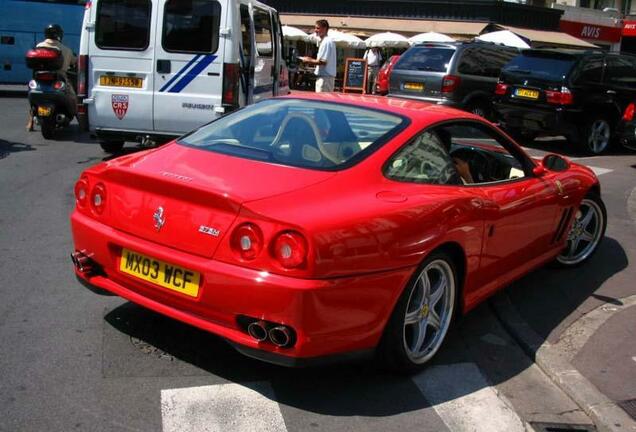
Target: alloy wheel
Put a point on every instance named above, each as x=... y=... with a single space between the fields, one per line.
x=585 y=233
x=599 y=136
x=429 y=311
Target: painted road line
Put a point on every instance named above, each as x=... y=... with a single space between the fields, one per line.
x=600 y=171
x=465 y=401
x=221 y=408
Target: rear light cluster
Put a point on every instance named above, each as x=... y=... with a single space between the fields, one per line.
x=288 y=248
x=629 y=112
x=450 y=83
x=501 y=88
x=231 y=79
x=562 y=97
x=87 y=197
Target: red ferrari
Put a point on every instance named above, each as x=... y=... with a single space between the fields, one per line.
x=326 y=226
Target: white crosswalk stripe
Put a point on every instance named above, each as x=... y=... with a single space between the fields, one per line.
x=458 y=393
x=463 y=399
x=221 y=408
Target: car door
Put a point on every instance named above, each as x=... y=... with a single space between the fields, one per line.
x=264 y=65
x=520 y=210
x=188 y=64
x=120 y=67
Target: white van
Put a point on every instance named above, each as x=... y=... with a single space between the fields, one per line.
x=154 y=69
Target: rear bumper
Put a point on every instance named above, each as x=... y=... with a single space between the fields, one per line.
x=333 y=319
x=555 y=121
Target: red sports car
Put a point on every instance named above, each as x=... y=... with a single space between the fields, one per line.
x=384 y=74
x=316 y=227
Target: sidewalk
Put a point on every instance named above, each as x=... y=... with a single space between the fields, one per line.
x=13 y=90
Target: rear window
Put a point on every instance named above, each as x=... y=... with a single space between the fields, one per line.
x=426 y=59
x=300 y=133
x=191 y=26
x=551 y=68
x=123 y=24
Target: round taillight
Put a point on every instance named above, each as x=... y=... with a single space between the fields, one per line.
x=33 y=84
x=58 y=85
x=290 y=249
x=98 y=198
x=81 y=192
x=247 y=241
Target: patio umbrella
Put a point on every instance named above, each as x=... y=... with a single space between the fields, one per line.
x=387 y=40
x=294 y=33
x=505 y=37
x=430 y=37
x=342 y=39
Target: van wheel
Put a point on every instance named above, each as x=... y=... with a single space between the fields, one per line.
x=422 y=316
x=111 y=146
x=47 y=125
x=596 y=135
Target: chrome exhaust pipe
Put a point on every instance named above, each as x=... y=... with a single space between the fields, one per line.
x=82 y=262
x=280 y=336
x=257 y=330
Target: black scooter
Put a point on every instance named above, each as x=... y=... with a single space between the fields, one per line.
x=51 y=97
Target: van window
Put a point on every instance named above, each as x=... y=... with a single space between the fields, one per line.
x=246 y=33
x=426 y=59
x=263 y=30
x=191 y=26
x=123 y=24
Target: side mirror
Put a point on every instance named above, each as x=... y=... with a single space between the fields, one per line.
x=555 y=162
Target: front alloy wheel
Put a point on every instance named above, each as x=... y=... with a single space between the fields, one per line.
x=586 y=233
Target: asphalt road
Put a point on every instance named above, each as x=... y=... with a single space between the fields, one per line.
x=74 y=360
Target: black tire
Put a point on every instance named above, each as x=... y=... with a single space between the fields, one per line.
x=575 y=253
x=596 y=135
x=111 y=146
x=395 y=349
x=522 y=136
x=480 y=108
x=47 y=124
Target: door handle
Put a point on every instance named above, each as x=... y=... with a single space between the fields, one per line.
x=163 y=66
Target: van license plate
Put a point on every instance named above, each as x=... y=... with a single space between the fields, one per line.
x=160 y=273
x=527 y=93
x=414 y=86
x=119 y=81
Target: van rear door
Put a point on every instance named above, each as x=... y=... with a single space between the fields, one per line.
x=264 y=67
x=120 y=65
x=188 y=64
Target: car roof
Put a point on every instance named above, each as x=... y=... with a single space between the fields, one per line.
x=411 y=108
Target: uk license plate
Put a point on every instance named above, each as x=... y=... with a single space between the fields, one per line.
x=527 y=93
x=44 y=111
x=120 y=81
x=414 y=86
x=160 y=273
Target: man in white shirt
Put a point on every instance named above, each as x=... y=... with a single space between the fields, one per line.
x=373 y=56
x=325 y=61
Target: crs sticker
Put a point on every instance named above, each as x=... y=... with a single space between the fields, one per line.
x=120 y=105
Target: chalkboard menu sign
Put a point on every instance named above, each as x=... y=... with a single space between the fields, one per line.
x=355 y=76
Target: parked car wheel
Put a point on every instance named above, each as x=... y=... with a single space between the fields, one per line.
x=586 y=232
x=422 y=316
x=112 y=146
x=597 y=135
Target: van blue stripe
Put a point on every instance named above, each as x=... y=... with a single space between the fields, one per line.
x=194 y=72
x=178 y=74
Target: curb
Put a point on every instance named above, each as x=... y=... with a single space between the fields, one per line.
x=13 y=90
x=605 y=414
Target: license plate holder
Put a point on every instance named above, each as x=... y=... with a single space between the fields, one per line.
x=120 y=81
x=161 y=273
x=527 y=93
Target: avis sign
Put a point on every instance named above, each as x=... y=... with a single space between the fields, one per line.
x=590 y=32
x=120 y=105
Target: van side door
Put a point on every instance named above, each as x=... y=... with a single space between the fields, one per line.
x=188 y=65
x=281 y=74
x=121 y=36
x=264 y=67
